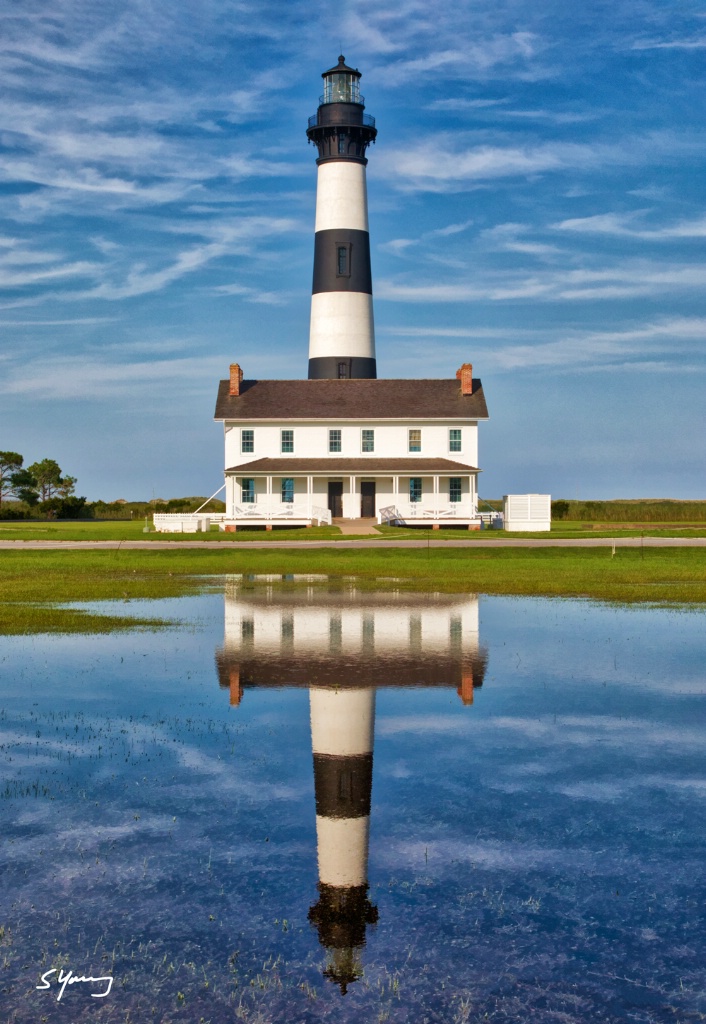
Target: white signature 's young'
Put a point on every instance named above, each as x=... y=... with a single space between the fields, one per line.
x=73 y=979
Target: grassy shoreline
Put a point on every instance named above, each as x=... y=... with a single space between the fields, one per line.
x=34 y=584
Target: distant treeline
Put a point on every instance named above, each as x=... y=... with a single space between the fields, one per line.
x=72 y=507
x=657 y=511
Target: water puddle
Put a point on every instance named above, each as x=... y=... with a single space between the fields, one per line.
x=314 y=802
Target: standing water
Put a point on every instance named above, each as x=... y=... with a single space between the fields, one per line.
x=307 y=801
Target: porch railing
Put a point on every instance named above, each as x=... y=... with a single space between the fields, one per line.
x=282 y=511
x=425 y=510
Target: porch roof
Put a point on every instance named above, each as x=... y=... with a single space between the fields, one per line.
x=333 y=466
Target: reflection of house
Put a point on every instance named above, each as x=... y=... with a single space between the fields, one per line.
x=343 y=443
x=343 y=644
x=329 y=634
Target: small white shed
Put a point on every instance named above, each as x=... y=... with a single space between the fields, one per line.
x=527 y=512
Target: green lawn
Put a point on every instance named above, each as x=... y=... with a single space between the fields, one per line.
x=35 y=584
x=127 y=530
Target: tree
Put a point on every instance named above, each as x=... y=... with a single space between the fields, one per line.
x=24 y=487
x=49 y=481
x=10 y=462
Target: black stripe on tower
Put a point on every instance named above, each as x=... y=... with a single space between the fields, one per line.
x=343 y=785
x=342 y=368
x=342 y=261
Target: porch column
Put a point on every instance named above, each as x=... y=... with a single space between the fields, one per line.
x=268 y=493
x=354 y=513
x=436 y=495
x=309 y=492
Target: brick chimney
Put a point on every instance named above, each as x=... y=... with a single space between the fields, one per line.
x=465 y=375
x=236 y=377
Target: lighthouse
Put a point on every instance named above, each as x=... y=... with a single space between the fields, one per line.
x=342 y=725
x=342 y=336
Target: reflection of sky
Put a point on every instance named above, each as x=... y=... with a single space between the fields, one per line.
x=531 y=853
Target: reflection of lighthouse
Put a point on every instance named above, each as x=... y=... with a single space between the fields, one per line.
x=342 y=723
x=344 y=644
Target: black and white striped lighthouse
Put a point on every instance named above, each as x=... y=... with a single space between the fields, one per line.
x=342 y=337
x=342 y=726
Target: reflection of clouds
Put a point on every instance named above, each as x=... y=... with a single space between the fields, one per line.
x=607 y=730
x=391 y=725
x=101 y=740
x=439 y=855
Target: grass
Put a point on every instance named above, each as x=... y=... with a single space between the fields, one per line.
x=35 y=584
x=98 y=530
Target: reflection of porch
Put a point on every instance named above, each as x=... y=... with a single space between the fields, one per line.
x=420 y=491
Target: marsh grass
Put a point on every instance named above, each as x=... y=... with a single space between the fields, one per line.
x=35 y=584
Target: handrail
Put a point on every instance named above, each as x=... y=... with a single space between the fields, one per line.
x=367 y=120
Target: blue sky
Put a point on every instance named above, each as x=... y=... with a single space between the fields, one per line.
x=536 y=201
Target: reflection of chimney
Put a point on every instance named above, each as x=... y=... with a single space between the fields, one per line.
x=236 y=690
x=465 y=690
x=342 y=724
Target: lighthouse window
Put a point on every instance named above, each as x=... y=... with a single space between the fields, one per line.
x=343 y=262
x=415 y=488
x=287 y=441
x=454 y=489
x=341 y=145
x=334 y=440
x=454 y=440
x=247 y=441
x=368 y=440
x=342 y=371
x=415 y=440
x=287 y=490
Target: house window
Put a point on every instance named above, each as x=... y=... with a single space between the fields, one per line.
x=415 y=440
x=334 y=440
x=247 y=441
x=454 y=440
x=368 y=440
x=343 y=371
x=415 y=488
x=247 y=491
x=454 y=489
x=287 y=490
x=287 y=442
x=343 y=261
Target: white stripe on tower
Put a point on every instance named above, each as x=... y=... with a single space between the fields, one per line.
x=342 y=336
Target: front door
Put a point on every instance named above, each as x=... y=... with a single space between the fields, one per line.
x=367 y=499
x=335 y=499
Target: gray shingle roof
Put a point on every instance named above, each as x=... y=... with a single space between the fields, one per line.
x=350 y=399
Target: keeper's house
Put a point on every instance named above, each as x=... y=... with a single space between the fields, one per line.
x=343 y=443
x=305 y=450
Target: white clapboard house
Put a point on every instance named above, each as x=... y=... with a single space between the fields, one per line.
x=343 y=443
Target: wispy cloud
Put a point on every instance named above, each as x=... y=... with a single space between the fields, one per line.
x=441 y=163
x=624 y=225
x=630 y=279
x=669 y=343
x=692 y=43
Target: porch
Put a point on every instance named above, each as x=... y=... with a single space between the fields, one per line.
x=300 y=492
